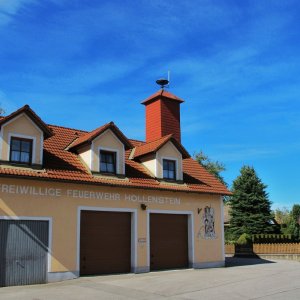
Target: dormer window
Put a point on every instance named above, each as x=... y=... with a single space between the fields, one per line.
x=103 y=150
x=107 y=162
x=21 y=150
x=169 y=169
x=163 y=158
x=22 y=138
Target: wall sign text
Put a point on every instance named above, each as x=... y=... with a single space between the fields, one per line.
x=84 y=194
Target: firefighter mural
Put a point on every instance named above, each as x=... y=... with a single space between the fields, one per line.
x=209 y=223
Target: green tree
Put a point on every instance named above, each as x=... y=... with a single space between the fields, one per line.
x=294 y=226
x=213 y=167
x=289 y=220
x=250 y=207
x=283 y=217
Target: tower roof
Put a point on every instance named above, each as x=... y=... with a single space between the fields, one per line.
x=162 y=94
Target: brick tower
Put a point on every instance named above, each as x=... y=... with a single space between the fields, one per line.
x=162 y=115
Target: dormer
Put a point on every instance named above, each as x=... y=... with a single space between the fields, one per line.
x=103 y=150
x=162 y=157
x=22 y=135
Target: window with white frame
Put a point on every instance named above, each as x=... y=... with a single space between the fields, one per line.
x=108 y=162
x=169 y=169
x=20 y=150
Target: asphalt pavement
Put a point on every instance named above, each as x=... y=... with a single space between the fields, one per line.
x=241 y=279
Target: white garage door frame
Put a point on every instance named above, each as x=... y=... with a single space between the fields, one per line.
x=133 y=231
x=49 y=219
x=191 y=243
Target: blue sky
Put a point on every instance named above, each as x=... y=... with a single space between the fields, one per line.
x=236 y=63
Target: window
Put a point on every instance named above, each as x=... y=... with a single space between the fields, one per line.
x=20 y=150
x=108 y=162
x=169 y=168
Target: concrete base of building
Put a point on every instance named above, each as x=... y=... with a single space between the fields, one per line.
x=206 y=265
x=295 y=257
x=60 y=276
x=138 y=270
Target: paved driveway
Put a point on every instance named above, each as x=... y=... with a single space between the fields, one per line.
x=242 y=279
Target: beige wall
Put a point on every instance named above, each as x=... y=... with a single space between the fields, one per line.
x=108 y=141
x=63 y=209
x=21 y=126
x=169 y=151
x=85 y=155
x=149 y=161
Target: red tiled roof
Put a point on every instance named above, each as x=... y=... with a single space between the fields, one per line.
x=88 y=137
x=162 y=94
x=154 y=146
x=32 y=115
x=63 y=165
x=137 y=143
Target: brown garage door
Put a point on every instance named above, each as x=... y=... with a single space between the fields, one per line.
x=105 y=242
x=168 y=241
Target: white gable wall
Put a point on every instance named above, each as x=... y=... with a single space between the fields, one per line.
x=22 y=126
x=108 y=141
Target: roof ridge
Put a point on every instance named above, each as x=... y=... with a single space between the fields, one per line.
x=162 y=137
x=137 y=140
x=152 y=146
x=162 y=94
x=26 y=109
x=81 y=130
x=155 y=145
x=65 y=127
x=89 y=136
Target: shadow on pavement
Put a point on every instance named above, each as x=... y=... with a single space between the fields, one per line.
x=245 y=261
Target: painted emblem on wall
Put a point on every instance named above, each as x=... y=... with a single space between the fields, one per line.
x=207 y=230
x=209 y=223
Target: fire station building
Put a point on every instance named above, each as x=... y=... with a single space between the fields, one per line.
x=76 y=203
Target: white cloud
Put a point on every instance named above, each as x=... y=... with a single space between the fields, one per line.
x=249 y=153
x=74 y=80
x=10 y=8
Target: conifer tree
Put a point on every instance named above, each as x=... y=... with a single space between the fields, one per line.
x=250 y=207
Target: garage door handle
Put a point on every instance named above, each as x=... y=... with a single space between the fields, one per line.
x=17 y=262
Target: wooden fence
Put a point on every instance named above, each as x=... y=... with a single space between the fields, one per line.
x=283 y=248
x=229 y=249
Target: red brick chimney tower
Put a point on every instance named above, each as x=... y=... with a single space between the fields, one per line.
x=162 y=115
